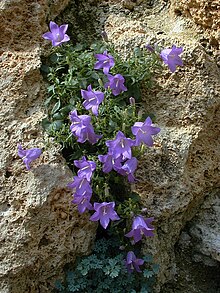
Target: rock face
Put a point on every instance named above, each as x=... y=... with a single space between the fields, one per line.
x=183 y=167
x=204 y=13
x=204 y=228
x=40 y=230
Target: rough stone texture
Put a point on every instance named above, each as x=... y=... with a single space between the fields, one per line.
x=203 y=12
x=175 y=176
x=205 y=229
x=183 y=167
x=40 y=230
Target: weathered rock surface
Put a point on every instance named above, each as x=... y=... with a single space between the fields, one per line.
x=175 y=176
x=40 y=230
x=203 y=12
x=205 y=229
x=183 y=166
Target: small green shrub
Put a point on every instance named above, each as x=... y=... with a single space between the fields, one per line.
x=104 y=271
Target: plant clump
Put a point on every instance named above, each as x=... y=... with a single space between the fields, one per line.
x=94 y=111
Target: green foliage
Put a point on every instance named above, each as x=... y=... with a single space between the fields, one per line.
x=104 y=272
x=68 y=70
x=71 y=68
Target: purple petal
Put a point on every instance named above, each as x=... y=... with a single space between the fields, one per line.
x=104 y=221
x=48 y=36
x=94 y=217
x=63 y=28
x=66 y=38
x=53 y=26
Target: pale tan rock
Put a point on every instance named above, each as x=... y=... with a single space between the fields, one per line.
x=184 y=164
x=41 y=230
x=203 y=12
x=205 y=228
x=175 y=175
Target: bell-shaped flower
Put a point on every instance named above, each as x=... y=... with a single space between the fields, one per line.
x=83 y=202
x=57 y=34
x=116 y=84
x=132 y=262
x=150 y=48
x=81 y=185
x=105 y=62
x=85 y=168
x=28 y=155
x=120 y=146
x=88 y=134
x=144 y=131
x=104 y=213
x=128 y=169
x=171 y=57
x=109 y=162
x=79 y=122
x=140 y=227
x=92 y=99
x=82 y=128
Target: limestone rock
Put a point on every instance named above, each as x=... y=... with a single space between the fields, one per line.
x=203 y=12
x=175 y=176
x=41 y=230
x=183 y=166
x=205 y=228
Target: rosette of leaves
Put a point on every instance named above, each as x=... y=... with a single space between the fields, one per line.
x=104 y=272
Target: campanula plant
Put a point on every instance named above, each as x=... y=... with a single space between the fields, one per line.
x=28 y=155
x=92 y=113
x=57 y=34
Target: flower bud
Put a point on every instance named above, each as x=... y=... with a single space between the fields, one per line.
x=132 y=101
x=104 y=36
x=100 y=82
x=149 y=48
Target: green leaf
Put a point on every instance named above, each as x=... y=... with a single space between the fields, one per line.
x=95 y=75
x=66 y=110
x=45 y=68
x=156 y=268
x=58 y=285
x=45 y=123
x=55 y=125
x=148 y=258
x=56 y=107
x=57 y=116
x=148 y=274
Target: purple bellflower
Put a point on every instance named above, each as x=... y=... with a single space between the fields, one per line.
x=92 y=99
x=109 y=162
x=88 y=134
x=81 y=186
x=79 y=122
x=132 y=101
x=105 y=61
x=128 y=169
x=140 y=227
x=133 y=263
x=104 y=212
x=116 y=84
x=57 y=34
x=149 y=48
x=143 y=132
x=28 y=155
x=104 y=36
x=85 y=168
x=82 y=128
x=171 y=57
x=83 y=202
x=120 y=146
